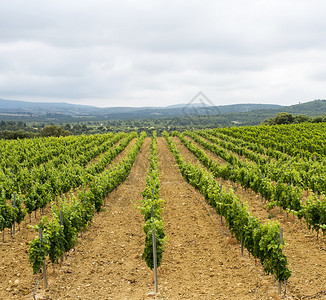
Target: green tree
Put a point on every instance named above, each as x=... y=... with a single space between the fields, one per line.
x=283 y=118
x=280 y=118
x=67 y=127
x=301 y=118
x=53 y=130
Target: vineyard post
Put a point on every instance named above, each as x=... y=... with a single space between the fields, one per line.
x=152 y=208
x=13 y=225
x=221 y=187
x=281 y=242
x=104 y=203
x=241 y=236
x=155 y=261
x=287 y=211
x=262 y=198
x=44 y=266
x=61 y=223
x=84 y=201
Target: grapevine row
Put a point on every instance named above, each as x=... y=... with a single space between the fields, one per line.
x=76 y=214
x=21 y=179
x=294 y=139
x=261 y=240
x=31 y=153
x=40 y=194
x=303 y=173
x=250 y=176
x=151 y=208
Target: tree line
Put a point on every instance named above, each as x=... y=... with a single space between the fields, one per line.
x=287 y=118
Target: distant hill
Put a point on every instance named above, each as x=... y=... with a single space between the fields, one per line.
x=249 y=114
x=255 y=117
x=38 y=109
x=25 y=107
x=247 y=107
x=312 y=108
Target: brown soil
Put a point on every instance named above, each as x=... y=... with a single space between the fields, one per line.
x=305 y=254
x=16 y=273
x=202 y=260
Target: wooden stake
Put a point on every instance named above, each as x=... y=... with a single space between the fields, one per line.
x=241 y=237
x=61 y=223
x=281 y=236
x=13 y=225
x=155 y=261
x=44 y=266
x=279 y=287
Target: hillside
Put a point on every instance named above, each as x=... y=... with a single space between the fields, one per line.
x=177 y=117
x=61 y=110
x=312 y=108
x=205 y=256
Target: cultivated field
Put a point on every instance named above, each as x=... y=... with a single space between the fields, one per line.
x=223 y=189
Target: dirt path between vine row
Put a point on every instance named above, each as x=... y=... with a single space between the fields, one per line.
x=306 y=256
x=16 y=275
x=201 y=261
x=106 y=263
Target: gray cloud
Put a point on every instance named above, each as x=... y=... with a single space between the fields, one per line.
x=162 y=52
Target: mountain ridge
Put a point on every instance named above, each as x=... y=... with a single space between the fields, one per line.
x=67 y=112
x=40 y=108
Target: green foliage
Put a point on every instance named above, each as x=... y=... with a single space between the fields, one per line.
x=157 y=225
x=39 y=250
x=315 y=213
x=56 y=239
x=261 y=240
x=18 y=210
x=6 y=214
x=277 y=162
x=151 y=201
x=281 y=118
x=69 y=225
x=295 y=161
x=77 y=212
x=56 y=170
x=249 y=174
x=53 y=130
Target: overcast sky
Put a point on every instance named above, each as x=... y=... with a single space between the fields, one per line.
x=157 y=53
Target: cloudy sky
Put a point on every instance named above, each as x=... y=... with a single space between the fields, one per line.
x=156 y=53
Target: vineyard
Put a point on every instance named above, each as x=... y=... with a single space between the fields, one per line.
x=238 y=213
